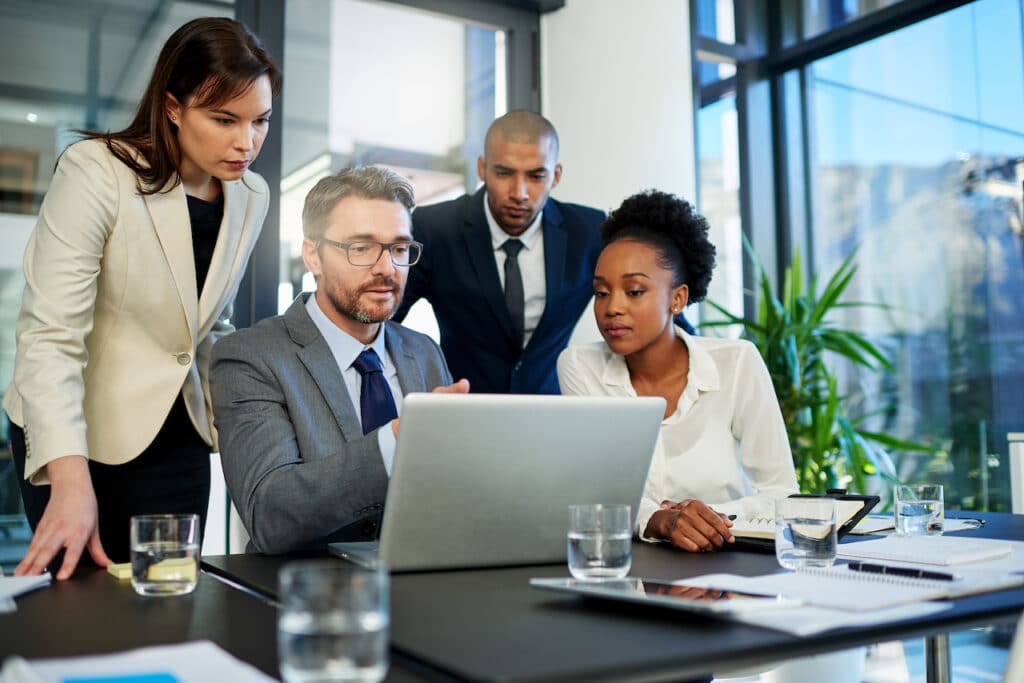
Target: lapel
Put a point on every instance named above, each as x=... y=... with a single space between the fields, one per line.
x=229 y=254
x=323 y=369
x=477 y=236
x=169 y=213
x=410 y=375
x=556 y=242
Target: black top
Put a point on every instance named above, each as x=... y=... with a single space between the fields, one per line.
x=206 y=218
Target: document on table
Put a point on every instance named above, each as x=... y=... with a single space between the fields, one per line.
x=936 y=550
x=874 y=524
x=13 y=586
x=195 y=662
x=844 y=589
x=808 y=620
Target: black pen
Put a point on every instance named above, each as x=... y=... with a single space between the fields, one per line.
x=901 y=571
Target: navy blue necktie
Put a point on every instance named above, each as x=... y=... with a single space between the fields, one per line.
x=514 y=296
x=375 y=401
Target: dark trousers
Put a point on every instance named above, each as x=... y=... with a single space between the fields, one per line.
x=171 y=476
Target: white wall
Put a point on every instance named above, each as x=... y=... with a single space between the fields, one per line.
x=616 y=83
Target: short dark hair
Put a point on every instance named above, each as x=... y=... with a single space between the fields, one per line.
x=522 y=125
x=674 y=229
x=213 y=59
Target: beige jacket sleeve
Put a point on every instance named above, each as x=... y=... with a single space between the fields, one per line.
x=62 y=263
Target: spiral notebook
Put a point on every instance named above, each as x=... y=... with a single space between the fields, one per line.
x=841 y=588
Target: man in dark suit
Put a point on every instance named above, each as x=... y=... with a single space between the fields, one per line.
x=508 y=270
x=306 y=403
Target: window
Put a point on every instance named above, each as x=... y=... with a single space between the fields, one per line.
x=923 y=177
x=353 y=97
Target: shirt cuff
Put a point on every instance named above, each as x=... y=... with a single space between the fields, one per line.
x=386 y=441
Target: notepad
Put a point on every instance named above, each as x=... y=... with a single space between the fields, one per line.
x=937 y=550
x=763 y=525
x=840 y=588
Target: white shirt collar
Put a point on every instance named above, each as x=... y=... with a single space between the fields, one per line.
x=702 y=376
x=499 y=236
x=344 y=346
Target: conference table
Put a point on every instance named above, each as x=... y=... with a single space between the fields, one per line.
x=482 y=624
x=489 y=625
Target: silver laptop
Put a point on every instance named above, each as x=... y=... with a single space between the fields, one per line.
x=485 y=480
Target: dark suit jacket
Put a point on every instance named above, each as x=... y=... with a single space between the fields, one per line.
x=295 y=458
x=459 y=276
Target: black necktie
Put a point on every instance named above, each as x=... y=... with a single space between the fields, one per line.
x=375 y=401
x=514 y=297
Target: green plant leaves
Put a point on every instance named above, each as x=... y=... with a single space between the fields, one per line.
x=794 y=333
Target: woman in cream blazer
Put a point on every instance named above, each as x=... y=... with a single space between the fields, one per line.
x=130 y=275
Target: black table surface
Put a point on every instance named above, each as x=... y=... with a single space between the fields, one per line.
x=95 y=613
x=489 y=625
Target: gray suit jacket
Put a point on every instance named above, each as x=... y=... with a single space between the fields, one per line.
x=295 y=459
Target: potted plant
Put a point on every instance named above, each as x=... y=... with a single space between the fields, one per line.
x=795 y=334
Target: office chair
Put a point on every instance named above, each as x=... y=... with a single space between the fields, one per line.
x=1014 y=672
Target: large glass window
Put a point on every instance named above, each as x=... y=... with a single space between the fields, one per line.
x=376 y=83
x=719 y=202
x=917 y=162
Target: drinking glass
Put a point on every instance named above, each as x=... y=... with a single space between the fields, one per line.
x=919 y=510
x=805 y=532
x=332 y=624
x=165 y=554
x=599 y=541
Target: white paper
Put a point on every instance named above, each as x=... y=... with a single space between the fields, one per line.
x=808 y=620
x=933 y=550
x=13 y=586
x=873 y=524
x=196 y=662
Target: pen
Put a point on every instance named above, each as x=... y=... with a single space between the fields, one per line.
x=900 y=571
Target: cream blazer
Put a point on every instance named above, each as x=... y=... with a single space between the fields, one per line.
x=111 y=328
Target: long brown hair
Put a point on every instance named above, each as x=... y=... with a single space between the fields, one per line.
x=210 y=59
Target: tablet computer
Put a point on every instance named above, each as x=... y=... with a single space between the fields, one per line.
x=677 y=596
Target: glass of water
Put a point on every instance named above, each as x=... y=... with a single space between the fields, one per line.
x=332 y=624
x=599 y=541
x=919 y=510
x=165 y=554
x=805 y=532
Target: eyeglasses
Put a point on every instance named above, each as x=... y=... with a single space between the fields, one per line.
x=366 y=254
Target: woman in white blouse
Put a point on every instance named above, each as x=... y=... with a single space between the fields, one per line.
x=723 y=447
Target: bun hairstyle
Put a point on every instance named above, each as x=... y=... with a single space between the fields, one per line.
x=674 y=229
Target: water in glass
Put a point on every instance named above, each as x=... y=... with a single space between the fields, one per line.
x=805 y=542
x=333 y=647
x=164 y=567
x=919 y=517
x=599 y=555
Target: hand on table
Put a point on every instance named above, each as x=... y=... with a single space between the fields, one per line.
x=690 y=525
x=69 y=523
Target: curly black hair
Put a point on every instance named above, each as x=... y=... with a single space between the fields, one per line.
x=674 y=228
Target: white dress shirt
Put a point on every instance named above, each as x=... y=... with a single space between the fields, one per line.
x=531 y=265
x=725 y=444
x=346 y=349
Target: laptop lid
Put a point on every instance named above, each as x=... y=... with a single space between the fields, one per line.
x=485 y=480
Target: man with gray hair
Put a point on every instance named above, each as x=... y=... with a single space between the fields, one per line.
x=306 y=403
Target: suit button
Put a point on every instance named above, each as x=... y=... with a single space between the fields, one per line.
x=518 y=365
x=184 y=359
